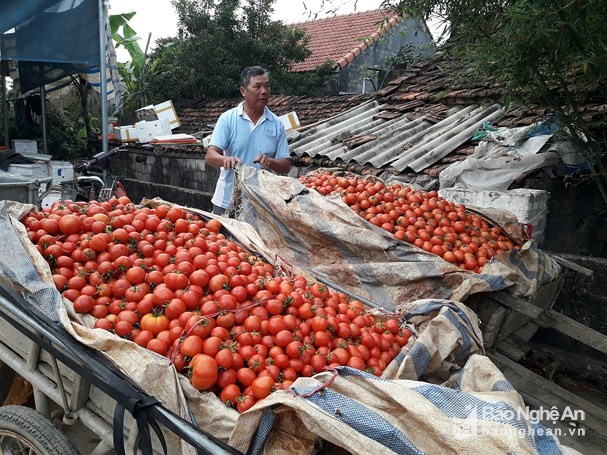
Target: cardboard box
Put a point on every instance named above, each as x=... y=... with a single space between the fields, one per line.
x=62 y=171
x=290 y=121
x=158 y=112
x=127 y=133
x=25 y=146
x=167 y=110
x=147 y=130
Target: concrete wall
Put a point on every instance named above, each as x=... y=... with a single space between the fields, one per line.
x=408 y=32
x=179 y=177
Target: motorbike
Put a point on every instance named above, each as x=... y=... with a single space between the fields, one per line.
x=94 y=179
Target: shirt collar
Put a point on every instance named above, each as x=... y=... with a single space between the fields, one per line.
x=241 y=112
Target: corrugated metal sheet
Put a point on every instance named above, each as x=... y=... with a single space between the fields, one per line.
x=400 y=143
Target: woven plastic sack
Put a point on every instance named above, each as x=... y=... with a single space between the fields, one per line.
x=475 y=410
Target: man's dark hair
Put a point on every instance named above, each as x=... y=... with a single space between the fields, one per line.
x=251 y=71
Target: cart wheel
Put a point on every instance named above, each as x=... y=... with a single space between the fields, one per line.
x=25 y=431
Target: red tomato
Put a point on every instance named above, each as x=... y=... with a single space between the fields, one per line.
x=244 y=402
x=262 y=387
x=191 y=346
x=246 y=376
x=154 y=323
x=204 y=371
x=83 y=304
x=230 y=394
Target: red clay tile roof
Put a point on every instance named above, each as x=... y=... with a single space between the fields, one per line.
x=340 y=39
x=195 y=115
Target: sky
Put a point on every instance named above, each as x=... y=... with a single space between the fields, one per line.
x=159 y=18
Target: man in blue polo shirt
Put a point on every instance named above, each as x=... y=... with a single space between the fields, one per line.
x=250 y=134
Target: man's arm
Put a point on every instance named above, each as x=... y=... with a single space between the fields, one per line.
x=214 y=157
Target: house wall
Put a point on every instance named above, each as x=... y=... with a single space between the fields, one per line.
x=406 y=32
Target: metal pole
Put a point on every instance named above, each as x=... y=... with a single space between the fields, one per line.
x=5 y=112
x=43 y=112
x=102 y=77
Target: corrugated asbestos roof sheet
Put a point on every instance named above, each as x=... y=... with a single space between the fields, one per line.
x=340 y=39
x=420 y=122
x=403 y=142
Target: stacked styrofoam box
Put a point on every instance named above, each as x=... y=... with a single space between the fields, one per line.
x=31 y=170
x=62 y=171
x=529 y=206
x=25 y=146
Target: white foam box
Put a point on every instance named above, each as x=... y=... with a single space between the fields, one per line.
x=158 y=112
x=62 y=171
x=290 y=121
x=147 y=130
x=167 y=110
x=529 y=206
x=25 y=146
x=30 y=170
x=126 y=133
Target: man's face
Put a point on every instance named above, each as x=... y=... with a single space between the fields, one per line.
x=256 y=94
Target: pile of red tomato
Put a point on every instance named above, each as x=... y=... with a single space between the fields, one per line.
x=173 y=283
x=421 y=218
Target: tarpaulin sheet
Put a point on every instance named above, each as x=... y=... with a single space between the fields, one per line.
x=50 y=38
x=472 y=409
x=323 y=235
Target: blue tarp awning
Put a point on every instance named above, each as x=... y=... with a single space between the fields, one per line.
x=50 y=39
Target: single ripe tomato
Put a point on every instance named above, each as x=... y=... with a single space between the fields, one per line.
x=262 y=387
x=204 y=372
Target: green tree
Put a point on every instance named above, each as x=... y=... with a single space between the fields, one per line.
x=217 y=38
x=548 y=53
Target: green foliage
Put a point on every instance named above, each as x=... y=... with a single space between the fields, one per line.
x=135 y=74
x=548 y=53
x=217 y=39
x=62 y=136
x=61 y=130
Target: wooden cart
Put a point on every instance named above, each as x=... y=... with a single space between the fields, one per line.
x=85 y=387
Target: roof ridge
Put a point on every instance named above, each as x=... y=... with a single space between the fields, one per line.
x=390 y=13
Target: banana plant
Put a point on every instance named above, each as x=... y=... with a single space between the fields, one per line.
x=134 y=73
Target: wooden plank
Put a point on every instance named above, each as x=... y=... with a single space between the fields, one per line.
x=574 y=329
x=543 y=299
x=519 y=305
x=571 y=265
x=550 y=394
x=526 y=331
x=510 y=349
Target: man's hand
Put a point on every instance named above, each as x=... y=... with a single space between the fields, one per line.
x=230 y=162
x=264 y=160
